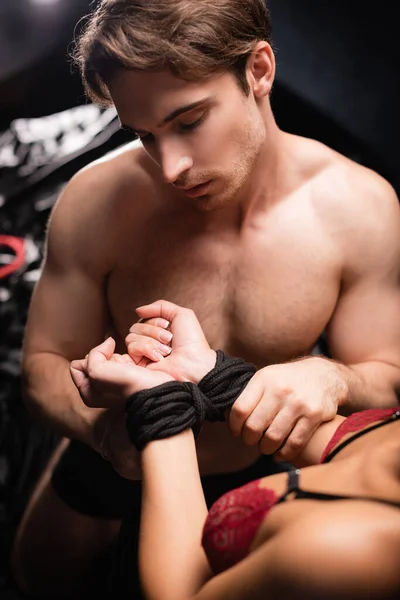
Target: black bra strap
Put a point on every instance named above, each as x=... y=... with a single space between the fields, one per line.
x=292 y=484
x=294 y=488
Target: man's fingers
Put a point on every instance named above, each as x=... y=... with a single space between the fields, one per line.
x=244 y=406
x=277 y=431
x=259 y=420
x=298 y=438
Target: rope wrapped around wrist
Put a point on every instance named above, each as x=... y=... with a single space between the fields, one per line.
x=173 y=407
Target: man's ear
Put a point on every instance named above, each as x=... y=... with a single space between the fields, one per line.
x=261 y=69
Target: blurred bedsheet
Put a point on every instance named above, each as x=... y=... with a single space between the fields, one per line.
x=37 y=158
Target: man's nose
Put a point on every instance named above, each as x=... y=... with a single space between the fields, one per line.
x=174 y=163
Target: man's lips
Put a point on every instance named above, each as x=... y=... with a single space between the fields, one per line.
x=196 y=190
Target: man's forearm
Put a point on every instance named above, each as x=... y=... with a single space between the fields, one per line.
x=371 y=384
x=51 y=397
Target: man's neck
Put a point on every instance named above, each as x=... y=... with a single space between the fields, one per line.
x=275 y=175
x=269 y=181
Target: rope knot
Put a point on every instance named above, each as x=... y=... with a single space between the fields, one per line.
x=168 y=409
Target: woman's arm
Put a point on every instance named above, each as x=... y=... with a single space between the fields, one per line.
x=312 y=452
x=191 y=358
x=172 y=562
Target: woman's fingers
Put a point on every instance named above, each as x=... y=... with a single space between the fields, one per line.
x=121 y=358
x=146 y=326
x=78 y=371
x=139 y=346
x=184 y=323
x=160 y=309
x=149 y=340
x=153 y=331
x=101 y=352
x=157 y=321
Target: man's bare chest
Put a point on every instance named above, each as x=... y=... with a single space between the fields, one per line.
x=263 y=302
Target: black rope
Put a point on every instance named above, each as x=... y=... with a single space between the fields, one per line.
x=168 y=409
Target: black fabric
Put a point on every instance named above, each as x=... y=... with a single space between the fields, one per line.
x=168 y=409
x=90 y=485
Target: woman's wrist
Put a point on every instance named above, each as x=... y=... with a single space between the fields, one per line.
x=201 y=367
x=169 y=448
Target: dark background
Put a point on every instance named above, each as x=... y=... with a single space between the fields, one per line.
x=338 y=70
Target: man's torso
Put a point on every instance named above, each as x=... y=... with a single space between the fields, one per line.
x=263 y=288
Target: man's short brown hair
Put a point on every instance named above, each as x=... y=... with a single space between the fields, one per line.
x=195 y=39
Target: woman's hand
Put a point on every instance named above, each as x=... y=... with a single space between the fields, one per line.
x=106 y=380
x=191 y=357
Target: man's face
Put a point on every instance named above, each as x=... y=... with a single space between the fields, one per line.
x=206 y=137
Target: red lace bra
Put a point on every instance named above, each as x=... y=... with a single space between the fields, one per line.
x=234 y=519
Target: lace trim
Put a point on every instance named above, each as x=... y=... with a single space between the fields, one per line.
x=356 y=422
x=232 y=523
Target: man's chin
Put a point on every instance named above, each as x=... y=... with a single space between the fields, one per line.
x=209 y=202
x=215 y=201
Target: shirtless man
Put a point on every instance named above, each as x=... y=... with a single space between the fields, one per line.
x=270 y=238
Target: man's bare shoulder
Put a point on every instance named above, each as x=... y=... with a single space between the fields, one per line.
x=119 y=181
x=357 y=207
x=105 y=200
x=342 y=190
x=127 y=169
x=341 y=182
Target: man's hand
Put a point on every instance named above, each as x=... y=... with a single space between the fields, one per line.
x=283 y=405
x=106 y=380
x=191 y=357
x=114 y=444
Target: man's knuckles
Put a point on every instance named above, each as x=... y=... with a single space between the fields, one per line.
x=252 y=432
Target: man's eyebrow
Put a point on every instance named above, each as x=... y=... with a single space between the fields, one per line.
x=170 y=117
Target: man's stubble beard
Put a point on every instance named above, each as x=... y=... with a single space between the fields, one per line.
x=241 y=172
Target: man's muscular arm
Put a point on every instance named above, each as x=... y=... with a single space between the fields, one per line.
x=283 y=404
x=67 y=314
x=364 y=333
